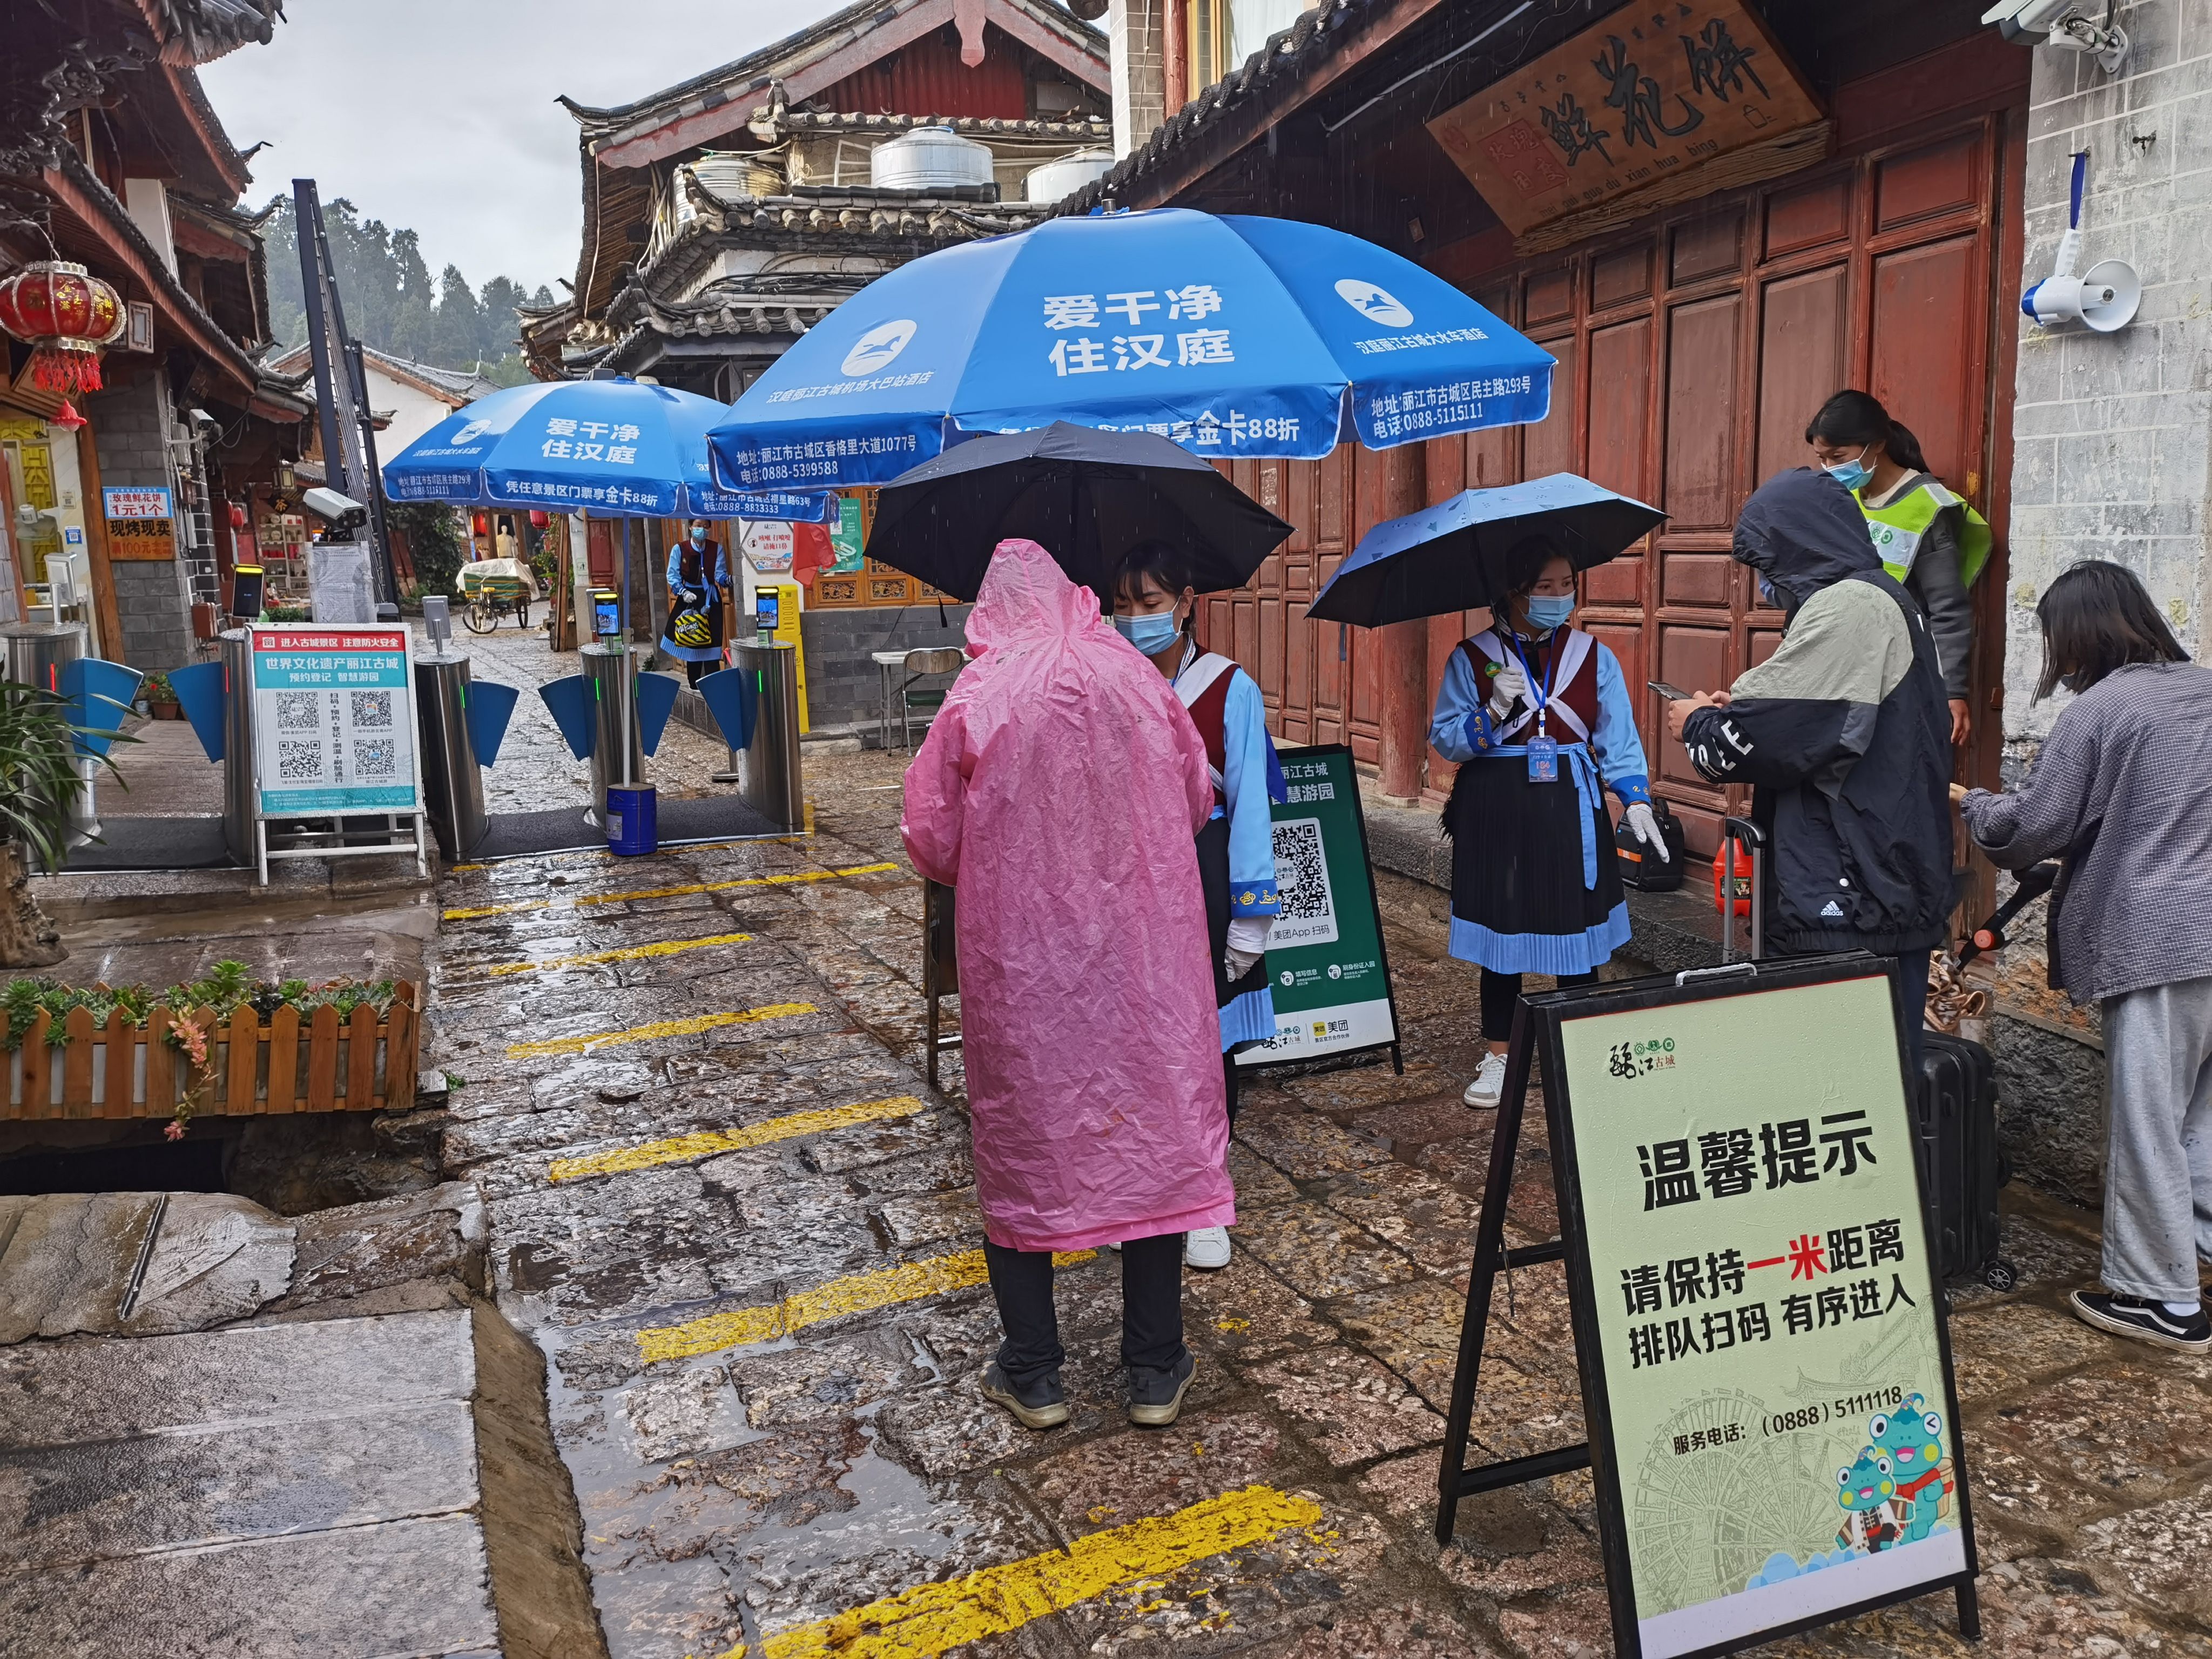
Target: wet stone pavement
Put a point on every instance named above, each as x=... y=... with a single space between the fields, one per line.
x=724 y=1203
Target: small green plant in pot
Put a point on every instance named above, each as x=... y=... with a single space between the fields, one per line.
x=38 y=785
x=160 y=698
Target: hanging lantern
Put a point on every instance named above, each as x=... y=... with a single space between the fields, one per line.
x=539 y=518
x=66 y=314
x=68 y=419
x=237 y=516
x=477 y=525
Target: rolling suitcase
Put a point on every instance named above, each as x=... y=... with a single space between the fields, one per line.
x=1961 y=1167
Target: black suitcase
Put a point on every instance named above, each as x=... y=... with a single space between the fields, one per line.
x=1957 y=1112
x=1961 y=1168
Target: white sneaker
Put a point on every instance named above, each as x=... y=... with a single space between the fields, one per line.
x=1489 y=1082
x=1115 y=1248
x=1205 y=1248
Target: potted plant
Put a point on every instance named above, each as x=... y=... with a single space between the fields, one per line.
x=290 y=613
x=38 y=781
x=162 y=698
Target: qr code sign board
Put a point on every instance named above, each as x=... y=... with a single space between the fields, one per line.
x=300 y=763
x=298 y=711
x=372 y=710
x=1308 y=914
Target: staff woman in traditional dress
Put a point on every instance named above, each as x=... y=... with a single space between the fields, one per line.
x=698 y=577
x=1154 y=603
x=1536 y=714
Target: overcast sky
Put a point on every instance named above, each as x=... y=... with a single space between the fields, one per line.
x=438 y=114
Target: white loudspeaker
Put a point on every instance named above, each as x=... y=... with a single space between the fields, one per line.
x=2104 y=299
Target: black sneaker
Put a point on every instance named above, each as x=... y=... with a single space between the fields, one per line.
x=1156 y=1397
x=1041 y=1404
x=2146 y=1321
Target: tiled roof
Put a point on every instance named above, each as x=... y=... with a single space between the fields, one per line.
x=192 y=32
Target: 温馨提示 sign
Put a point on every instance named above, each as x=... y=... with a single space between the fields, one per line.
x=1774 y=1422
x=1326 y=969
x=333 y=721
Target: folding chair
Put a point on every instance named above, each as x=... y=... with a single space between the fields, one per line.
x=921 y=666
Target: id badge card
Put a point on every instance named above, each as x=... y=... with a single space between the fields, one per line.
x=1543 y=760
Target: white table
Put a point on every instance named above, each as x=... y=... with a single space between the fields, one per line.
x=889 y=665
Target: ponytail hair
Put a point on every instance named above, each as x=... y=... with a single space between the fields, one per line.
x=1858 y=417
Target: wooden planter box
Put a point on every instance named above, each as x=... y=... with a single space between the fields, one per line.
x=319 y=1063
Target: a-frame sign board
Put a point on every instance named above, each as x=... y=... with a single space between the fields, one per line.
x=1758 y=1320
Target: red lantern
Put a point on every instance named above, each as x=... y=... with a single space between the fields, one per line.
x=66 y=314
x=539 y=518
x=477 y=525
x=237 y=516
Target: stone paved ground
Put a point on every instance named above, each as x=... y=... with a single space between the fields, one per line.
x=811 y=1442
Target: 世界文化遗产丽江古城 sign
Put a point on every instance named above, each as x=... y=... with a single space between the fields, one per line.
x=333 y=721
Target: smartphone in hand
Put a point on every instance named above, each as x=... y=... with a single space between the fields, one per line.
x=1672 y=694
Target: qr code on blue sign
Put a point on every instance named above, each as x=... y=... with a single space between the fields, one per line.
x=372 y=710
x=374 y=758
x=1308 y=914
x=300 y=763
x=298 y=711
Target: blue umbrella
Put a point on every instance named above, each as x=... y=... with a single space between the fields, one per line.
x=1236 y=336
x=1462 y=553
x=618 y=449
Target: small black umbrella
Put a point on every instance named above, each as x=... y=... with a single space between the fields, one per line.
x=1459 y=554
x=1087 y=497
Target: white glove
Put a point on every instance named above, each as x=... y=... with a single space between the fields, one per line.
x=1507 y=688
x=1647 y=831
x=1247 y=943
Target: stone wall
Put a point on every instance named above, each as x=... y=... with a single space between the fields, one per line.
x=842 y=684
x=131 y=426
x=2112 y=459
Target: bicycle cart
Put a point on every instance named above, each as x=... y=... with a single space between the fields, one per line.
x=493 y=588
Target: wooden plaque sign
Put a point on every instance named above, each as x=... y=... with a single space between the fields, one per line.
x=1645 y=95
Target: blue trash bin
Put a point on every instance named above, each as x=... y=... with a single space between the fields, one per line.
x=633 y=820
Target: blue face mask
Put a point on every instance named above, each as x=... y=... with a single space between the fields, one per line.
x=698 y=538
x=1549 y=611
x=1150 y=635
x=1853 y=474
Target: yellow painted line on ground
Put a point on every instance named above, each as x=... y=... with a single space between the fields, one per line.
x=471 y=913
x=741 y=881
x=666 y=1028
x=667 y=947
x=678 y=1149
x=859 y=1293
x=934 y=1619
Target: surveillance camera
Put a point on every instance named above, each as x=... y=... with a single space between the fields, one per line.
x=2063 y=23
x=204 y=421
x=341 y=512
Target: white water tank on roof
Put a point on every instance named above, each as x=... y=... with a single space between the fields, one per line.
x=1070 y=173
x=929 y=158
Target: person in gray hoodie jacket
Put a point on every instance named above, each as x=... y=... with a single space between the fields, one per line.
x=1843 y=734
x=2117 y=793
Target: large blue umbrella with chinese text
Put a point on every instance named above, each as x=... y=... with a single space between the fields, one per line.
x=1235 y=336
x=612 y=448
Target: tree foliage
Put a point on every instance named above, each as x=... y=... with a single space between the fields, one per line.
x=391 y=301
x=434 y=540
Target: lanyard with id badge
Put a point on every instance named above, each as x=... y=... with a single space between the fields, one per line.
x=1543 y=749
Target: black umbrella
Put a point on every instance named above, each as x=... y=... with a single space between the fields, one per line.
x=1087 y=497
x=1459 y=554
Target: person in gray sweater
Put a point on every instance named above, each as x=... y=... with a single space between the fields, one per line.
x=2116 y=794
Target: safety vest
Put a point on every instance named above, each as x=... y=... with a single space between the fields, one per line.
x=1897 y=528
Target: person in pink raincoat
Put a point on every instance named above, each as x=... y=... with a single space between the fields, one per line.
x=1059 y=791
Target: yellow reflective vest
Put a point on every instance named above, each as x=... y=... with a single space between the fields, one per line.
x=1897 y=528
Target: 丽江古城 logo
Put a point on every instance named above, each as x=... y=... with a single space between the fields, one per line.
x=877 y=348
x=1376 y=304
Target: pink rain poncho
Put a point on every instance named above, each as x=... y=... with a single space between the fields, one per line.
x=1059 y=792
